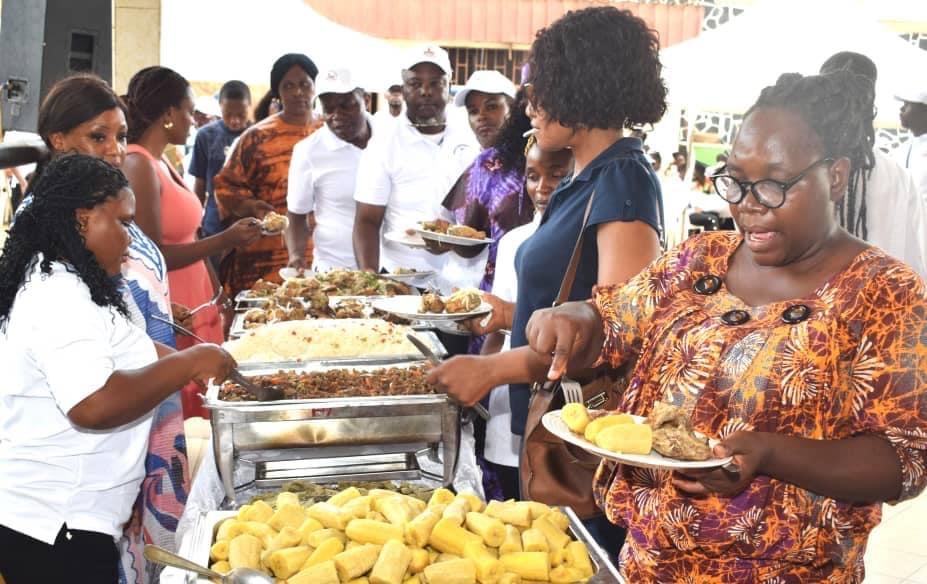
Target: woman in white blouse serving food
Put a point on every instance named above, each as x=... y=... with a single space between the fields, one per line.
x=80 y=380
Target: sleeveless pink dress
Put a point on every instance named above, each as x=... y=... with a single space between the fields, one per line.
x=181 y=215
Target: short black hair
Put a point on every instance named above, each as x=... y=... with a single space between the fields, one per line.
x=235 y=90
x=853 y=62
x=599 y=68
x=838 y=108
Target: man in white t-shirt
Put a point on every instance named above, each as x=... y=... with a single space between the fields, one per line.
x=913 y=155
x=405 y=173
x=322 y=176
x=894 y=218
x=395 y=108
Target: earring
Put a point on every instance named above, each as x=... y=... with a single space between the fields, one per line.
x=168 y=125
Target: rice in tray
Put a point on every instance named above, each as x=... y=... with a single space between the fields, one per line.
x=307 y=340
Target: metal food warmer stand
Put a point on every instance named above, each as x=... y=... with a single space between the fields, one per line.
x=259 y=446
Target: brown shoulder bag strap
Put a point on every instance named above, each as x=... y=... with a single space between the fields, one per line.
x=567 y=284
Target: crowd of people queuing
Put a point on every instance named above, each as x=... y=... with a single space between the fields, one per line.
x=798 y=339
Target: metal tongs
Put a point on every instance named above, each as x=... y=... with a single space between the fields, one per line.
x=480 y=410
x=260 y=393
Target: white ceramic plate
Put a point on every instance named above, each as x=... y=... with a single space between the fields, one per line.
x=556 y=426
x=287 y=273
x=410 y=277
x=452 y=239
x=403 y=238
x=407 y=307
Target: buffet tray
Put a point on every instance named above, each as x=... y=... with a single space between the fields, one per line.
x=244 y=300
x=428 y=336
x=237 y=328
x=207 y=524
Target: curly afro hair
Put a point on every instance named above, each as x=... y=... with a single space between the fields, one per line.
x=598 y=68
x=838 y=107
x=48 y=226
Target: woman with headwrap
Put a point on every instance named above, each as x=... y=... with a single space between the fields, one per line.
x=254 y=179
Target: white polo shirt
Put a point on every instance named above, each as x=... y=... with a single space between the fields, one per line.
x=912 y=156
x=895 y=213
x=322 y=175
x=59 y=347
x=410 y=173
x=502 y=447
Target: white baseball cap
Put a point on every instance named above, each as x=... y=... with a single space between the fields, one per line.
x=334 y=81
x=208 y=105
x=913 y=95
x=428 y=54
x=486 y=82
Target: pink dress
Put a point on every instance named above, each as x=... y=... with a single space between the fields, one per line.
x=181 y=215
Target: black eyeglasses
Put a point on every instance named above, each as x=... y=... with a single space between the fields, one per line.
x=768 y=192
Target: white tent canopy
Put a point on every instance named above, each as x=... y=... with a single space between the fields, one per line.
x=725 y=69
x=218 y=40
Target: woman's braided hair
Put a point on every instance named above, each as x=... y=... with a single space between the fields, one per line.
x=152 y=91
x=838 y=107
x=598 y=67
x=48 y=226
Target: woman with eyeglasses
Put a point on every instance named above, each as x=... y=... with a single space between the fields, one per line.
x=797 y=345
x=253 y=181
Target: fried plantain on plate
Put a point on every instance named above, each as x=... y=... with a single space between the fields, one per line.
x=673 y=435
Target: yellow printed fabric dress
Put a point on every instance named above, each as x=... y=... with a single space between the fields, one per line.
x=849 y=359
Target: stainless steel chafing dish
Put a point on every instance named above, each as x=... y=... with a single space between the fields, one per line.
x=204 y=533
x=264 y=444
x=238 y=328
x=429 y=337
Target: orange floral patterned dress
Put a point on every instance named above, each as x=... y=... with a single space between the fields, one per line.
x=257 y=168
x=849 y=359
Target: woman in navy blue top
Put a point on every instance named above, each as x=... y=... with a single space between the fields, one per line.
x=594 y=73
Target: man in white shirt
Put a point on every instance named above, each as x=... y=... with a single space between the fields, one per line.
x=394 y=110
x=322 y=176
x=405 y=173
x=894 y=218
x=913 y=155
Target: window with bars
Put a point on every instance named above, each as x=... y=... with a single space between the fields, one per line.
x=466 y=60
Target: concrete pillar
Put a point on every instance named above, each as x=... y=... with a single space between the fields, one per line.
x=136 y=38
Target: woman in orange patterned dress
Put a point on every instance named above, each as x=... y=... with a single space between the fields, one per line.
x=799 y=346
x=254 y=179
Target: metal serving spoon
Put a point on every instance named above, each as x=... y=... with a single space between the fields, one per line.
x=479 y=408
x=272 y=393
x=160 y=555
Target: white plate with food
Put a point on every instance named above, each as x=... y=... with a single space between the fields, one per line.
x=408 y=239
x=274 y=224
x=452 y=239
x=408 y=274
x=626 y=437
x=288 y=273
x=458 y=306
